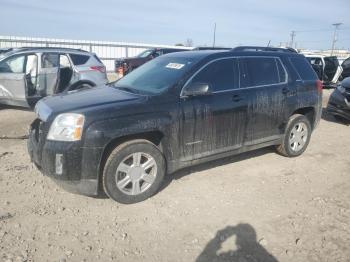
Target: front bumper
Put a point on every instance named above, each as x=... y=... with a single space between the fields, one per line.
x=339 y=104
x=71 y=165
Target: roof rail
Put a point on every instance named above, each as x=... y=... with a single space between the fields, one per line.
x=49 y=47
x=264 y=48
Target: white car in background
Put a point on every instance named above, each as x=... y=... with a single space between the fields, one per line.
x=327 y=68
x=29 y=74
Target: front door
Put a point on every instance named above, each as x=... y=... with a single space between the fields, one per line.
x=215 y=122
x=12 y=80
x=269 y=95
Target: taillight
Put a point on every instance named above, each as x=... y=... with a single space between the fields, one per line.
x=101 y=69
x=319 y=86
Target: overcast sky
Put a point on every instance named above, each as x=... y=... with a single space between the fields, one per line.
x=248 y=22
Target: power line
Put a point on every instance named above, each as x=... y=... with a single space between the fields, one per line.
x=336 y=27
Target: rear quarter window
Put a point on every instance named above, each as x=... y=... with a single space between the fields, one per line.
x=303 y=68
x=79 y=59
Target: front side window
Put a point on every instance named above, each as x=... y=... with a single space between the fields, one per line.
x=13 y=65
x=218 y=74
x=50 y=60
x=145 y=53
x=259 y=71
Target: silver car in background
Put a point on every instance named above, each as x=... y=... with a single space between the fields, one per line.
x=29 y=74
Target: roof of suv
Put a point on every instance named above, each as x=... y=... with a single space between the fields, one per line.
x=233 y=52
x=21 y=50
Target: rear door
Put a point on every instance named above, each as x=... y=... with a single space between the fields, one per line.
x=332 y=69
x=48 y=75
x=12 y=78
x=215 y=123
x=346 y=68
x=265 y=81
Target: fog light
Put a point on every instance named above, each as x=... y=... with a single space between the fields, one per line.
x=59 y=164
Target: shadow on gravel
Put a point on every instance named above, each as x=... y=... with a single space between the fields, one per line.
x=334 y=119
x=215 y=163
x=246 y=248
x=3 y=107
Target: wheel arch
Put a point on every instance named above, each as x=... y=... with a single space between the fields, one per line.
x=80 y=82
x=308 y=112
x=155 y=137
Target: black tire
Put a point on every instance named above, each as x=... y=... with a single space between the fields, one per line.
x=117 y=156
x=285 y=148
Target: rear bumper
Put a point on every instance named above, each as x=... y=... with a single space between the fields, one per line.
x=339 y=105
x=71 y=166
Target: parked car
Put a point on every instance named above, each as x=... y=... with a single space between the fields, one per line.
x=327 y=68
x=175 y=111
x=339 y=101
x=125 y=65
x=346 y=68
x=29 y=74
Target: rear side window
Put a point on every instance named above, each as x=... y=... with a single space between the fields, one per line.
x=303 y=68
x=79 y=59
x=258 y=71
x=219 y=75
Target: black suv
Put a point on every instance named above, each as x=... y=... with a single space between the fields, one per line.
x=178 y=110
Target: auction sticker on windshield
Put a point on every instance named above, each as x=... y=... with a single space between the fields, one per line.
x=174 y=66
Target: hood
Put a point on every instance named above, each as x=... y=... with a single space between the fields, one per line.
x=80 y=100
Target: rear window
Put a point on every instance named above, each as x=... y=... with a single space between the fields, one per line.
x=303 y=68
x=79 y=59
x=258 y=71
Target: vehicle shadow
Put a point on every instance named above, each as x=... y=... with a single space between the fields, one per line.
x=246 y=246
x=4 y=107
x=331 y=118
x=200 y=167
x=214 y=163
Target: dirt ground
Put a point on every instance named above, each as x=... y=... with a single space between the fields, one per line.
x=258 y=206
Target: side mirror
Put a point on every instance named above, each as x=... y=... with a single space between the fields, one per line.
x=196 y=89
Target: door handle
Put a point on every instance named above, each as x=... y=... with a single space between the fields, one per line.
x=236 y=98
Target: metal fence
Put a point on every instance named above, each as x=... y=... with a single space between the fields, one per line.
x=105 y=50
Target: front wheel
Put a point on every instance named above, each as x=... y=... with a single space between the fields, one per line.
x=133 y=172
x=296 y=137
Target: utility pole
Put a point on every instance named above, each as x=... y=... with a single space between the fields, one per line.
x=214 y=34
x=335 y=36
x=292 y=37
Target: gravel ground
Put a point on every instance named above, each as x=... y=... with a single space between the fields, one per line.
x=258 y=206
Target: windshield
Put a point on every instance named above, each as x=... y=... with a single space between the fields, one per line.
x=145 y=53
x=156 y=75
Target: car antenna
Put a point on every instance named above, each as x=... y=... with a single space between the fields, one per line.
x=268 y=44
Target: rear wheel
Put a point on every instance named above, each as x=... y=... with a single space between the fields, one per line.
x=296 y=137
x=133 y=172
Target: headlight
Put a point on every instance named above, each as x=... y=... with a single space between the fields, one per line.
x=341 y=89
x=67 y=127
